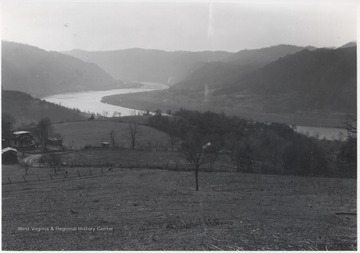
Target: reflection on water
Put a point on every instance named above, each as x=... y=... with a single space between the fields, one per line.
x=322 y=132
x=90 y=101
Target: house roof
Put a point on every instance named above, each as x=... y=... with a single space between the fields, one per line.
x=7 y=150
x=21 y=132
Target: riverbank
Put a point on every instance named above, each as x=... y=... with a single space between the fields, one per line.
x=154 y=96
x=90 y=101
x=160 y=100
x=131 y=85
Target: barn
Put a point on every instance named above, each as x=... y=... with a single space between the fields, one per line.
x=9 y=155
x=22 y=139
x=105 y=144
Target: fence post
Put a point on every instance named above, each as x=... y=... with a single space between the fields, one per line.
x=9 y=180
x=24 y=179
x=50 y=176
x=38 y=177
x=78 y=173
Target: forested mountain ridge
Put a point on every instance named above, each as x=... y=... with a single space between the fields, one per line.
x=148 y=64
x=41 y=73
x=321 y=80
x=221 y=74
x=262 y=56
x=25 y=109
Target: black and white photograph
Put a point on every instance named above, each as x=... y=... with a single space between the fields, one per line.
x=203 y=125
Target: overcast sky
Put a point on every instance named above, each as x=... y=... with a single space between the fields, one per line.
x=192 y=26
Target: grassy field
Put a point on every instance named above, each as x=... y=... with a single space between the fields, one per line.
x=143 y=209
x=79 y=134
x=128 y=158
x=121 y=156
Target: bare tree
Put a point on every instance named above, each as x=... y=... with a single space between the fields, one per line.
x=24 y=165
x=350 y=126
x=112 y=135
x=173 y=140
x=348 y=150
x=7 y=125
x=116 y=114
x=133 y=133
x=195 y=152
x=241 y=155
x=43 y=131
x=133 y=113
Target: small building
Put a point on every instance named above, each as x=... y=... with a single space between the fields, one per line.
x=54 y=142
x=22 y=139
x=105 y=144
x=9 y=155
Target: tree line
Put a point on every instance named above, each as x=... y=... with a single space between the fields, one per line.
x=251 y=146
x=276 y=147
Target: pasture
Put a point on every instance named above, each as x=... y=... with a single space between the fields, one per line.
x=143 y=209
x=91 y=133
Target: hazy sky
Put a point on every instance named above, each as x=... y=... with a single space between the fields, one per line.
x=193 y=26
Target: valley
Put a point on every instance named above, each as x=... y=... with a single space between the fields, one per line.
x=250 y=108
x=90 y=101
x=148 y=149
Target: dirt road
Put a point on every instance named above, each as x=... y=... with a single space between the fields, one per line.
x=32 y=160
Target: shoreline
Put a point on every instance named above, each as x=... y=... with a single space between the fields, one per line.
x=145 y=102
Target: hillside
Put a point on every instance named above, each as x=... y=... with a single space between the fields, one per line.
x=309 y=88
x=221 y=74
x=262 y=56
x=40 y=73
x=157 y=210
x=319 y=80
x=26 y=109
x=350 y=44
x=149 y=65
x=91 y=133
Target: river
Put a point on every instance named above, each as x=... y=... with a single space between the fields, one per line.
x=90 y=101
x=329 y=133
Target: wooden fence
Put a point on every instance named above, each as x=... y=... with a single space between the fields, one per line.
x=58 y=176
x=82 y=170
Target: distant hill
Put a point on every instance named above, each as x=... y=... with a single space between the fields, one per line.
x=262 y=56
x=26 y=109
x=41 y=73
x=149 y=65
x=319 y=80
x=221 y=74
x=350 y=44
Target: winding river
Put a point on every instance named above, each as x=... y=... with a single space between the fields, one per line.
x=90 y=101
